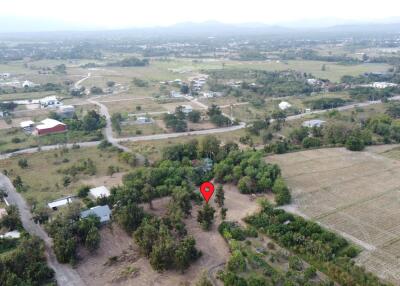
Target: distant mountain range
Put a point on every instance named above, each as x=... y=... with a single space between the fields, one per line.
x=19 y=27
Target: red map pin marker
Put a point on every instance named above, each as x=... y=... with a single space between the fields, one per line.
x=207 y=190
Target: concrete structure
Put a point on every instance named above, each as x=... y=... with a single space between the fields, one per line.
x=176 y=94
x=11 y=234
x=5 y=75
x=187 y=108
x=50 y=126
x=284 y=105
x=381 y=85
x=3 y=212
x=102 y=212
x=313 y=123
x=143 y=120
x=99 y=192
x=66 y=111
x=28 y=83
x=54 y=205
x=49 y=101
x=27 y=125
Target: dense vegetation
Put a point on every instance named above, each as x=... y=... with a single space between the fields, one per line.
x=252 y=175
x=22 y=261
x=323 y=249
x=69 y=231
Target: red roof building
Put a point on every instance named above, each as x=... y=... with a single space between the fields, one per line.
x=50 y=126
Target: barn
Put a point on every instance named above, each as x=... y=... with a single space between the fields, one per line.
x=50 y=126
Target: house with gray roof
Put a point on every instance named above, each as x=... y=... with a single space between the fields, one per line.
x=102 y=212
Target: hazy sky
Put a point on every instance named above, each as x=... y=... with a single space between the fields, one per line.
x=129 y=13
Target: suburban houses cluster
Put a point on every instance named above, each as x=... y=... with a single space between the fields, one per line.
x=102 y=212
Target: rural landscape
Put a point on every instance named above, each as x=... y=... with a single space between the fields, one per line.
x=202 y=154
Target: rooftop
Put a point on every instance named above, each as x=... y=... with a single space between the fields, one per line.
x=103 y=212
x=98 y=192
x=49 y=123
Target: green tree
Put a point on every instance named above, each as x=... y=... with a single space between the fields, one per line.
x=220 y=196
x=116 y=119
x=92 y=241
x=205 y=216
x=129 y=216
x=194 y=116
x=23 y=163
x=281 y=191
x=236 y=262
x=354 y=143
x=110 y=83
x=209 y=147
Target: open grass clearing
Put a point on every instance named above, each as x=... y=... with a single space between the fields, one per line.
x=44 y=181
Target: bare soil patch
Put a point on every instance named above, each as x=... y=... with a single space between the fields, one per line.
x=129 y=267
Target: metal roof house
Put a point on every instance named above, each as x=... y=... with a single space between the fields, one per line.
x=50 y=126
x=99 y=192
x=60 y=202
x=102 y=212
x=313 y=123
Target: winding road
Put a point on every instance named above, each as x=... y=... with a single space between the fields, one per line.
x=65 y=275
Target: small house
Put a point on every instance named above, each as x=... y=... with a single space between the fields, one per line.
x=143 y=120
x=313 y=123
x=99 y=192
x=27 y=84
x=27 y=125
x=54 y=205
x=187 y=109
x=284 y=105
x=11 y=234
x=176 y=94
x=66 y=111
x=102 y=212
x=49 y=101
x=50 y=126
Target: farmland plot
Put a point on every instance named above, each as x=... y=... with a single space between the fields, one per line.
x=356 y=194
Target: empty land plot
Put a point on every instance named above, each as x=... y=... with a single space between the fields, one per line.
x=134 y=106
x=355 y=193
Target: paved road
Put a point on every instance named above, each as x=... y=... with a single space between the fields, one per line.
x=181 y=134
x=65 y=275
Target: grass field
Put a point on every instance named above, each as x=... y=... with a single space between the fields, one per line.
x=355 y=194
x=333 y=71
x=44 y=181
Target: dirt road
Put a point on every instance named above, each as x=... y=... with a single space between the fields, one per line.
x=64 y=274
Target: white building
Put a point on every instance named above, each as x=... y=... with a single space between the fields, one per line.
x=28 y=83
x=60 y=202
x=312 y=81
x=66 y=110
x=27 y=125
x=49 y=101
x=143 y=120
x=99 y=192
x=5 y=75
x=176 y=94
x=284 y=105
x=187 y=108
x=381 y=85
x=313 y=123
x=11 y=234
